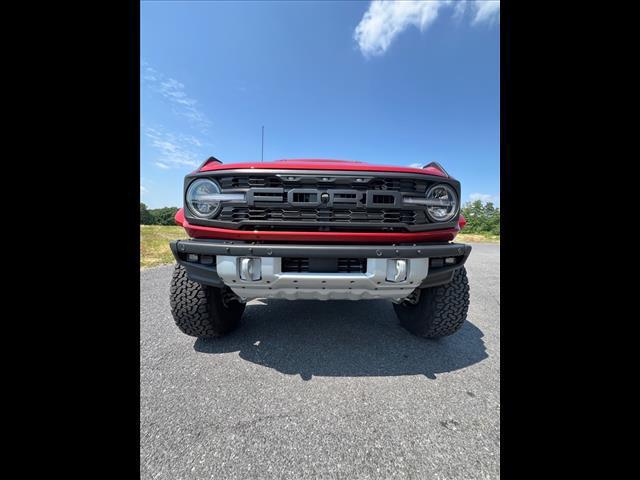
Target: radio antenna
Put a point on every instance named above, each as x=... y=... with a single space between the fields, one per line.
x=262 y=155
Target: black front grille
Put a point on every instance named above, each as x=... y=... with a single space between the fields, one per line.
x=297 y=200
x=322 y=215
x=337 y=265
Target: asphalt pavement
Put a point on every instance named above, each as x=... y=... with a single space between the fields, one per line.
x=311 y=389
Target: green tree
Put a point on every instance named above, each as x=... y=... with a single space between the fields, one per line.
x=164 y=216
x=481 y=218
x=145 y=216
x=492 y=222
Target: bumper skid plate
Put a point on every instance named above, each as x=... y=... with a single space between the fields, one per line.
x=392 y=271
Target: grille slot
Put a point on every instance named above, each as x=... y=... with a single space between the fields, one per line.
x=305 y=197
x=293 y=264
x=382 y=199
x=345 y=197
x=339 y=265
x=352 y=265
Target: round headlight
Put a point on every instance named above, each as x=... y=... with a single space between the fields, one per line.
x=202 y=198
x=442 y=203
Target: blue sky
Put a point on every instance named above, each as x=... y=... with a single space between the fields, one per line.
x=402 y=83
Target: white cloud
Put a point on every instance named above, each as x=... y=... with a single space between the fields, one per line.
x=174 y=150
x=459 y=9
x=415 y=165
x=487 y=11
x=192 y=140
x=384 y=20
x=175 y=93
x=484 y=197
x=143 y=190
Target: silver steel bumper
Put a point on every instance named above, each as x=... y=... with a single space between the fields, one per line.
x=321 y=286
x=218 y=263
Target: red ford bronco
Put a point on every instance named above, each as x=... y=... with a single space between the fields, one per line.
x=321 y=230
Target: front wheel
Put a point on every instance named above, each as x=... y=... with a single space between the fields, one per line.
x=200 y=310
x=437 y=311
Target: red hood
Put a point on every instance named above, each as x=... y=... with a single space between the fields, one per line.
x=320 y=164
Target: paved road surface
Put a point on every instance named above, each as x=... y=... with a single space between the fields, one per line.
x=322 y=389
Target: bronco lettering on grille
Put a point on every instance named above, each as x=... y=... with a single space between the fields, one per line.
x=312 y=197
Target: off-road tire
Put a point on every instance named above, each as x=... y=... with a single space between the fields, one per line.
x=438 y=311
x=199 y=310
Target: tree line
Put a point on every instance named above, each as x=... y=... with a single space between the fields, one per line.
x=157 y=216
x=481 y=217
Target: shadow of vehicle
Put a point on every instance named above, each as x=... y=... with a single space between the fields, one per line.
x=342 y=339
